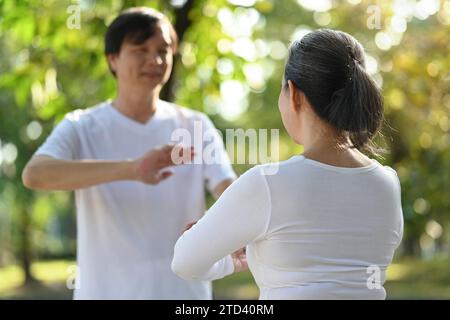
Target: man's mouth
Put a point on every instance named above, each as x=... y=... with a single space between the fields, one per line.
x=151 y=74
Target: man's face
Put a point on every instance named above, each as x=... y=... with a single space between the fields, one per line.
x=146 y=65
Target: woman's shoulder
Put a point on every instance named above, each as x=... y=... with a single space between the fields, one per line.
x=279 y=167
x=390 y=175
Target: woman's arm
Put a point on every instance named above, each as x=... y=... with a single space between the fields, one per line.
x=239 y=217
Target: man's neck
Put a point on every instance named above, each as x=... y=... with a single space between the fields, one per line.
x=137 y=106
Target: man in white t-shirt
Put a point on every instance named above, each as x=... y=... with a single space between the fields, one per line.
x=132 y=202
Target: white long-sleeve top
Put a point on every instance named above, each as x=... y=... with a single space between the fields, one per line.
x=312 y=230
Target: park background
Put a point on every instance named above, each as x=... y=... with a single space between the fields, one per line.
x=229 y=66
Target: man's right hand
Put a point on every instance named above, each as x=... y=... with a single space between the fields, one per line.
x=150 y=167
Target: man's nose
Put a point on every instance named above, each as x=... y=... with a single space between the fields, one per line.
x=154 y=59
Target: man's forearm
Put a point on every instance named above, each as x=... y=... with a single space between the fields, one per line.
x=45 y=172
x=54 y=174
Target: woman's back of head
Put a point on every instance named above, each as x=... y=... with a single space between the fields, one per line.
x=328 y=66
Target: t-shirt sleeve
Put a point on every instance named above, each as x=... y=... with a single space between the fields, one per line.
x=63 y=143
x=216 y=163
x=239 y=217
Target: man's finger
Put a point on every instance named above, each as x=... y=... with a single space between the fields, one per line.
x=168 y=148
x=164 y=156
x=160 y=176
x=181 y=155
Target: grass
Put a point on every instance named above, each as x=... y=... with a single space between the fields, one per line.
x=418 y=279
x=51 y=276
x=408 y=279
x=237 y=286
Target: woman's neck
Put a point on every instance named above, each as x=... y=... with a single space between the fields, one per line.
x=335 y=150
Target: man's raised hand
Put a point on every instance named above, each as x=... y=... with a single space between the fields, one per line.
x=152 y=168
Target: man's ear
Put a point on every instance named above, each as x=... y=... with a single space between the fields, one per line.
x=112 y=61
x=297 y=97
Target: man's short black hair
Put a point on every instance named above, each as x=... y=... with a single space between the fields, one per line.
x=135 y=25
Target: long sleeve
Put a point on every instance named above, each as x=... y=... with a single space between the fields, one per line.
x=240 y=216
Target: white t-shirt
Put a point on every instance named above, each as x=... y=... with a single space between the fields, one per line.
x=126 y=230
x=312 y=230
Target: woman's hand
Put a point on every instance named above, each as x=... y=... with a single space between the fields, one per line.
x=239 y=260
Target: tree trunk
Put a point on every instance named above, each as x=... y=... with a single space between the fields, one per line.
x=25 y=250
x=182 y=23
